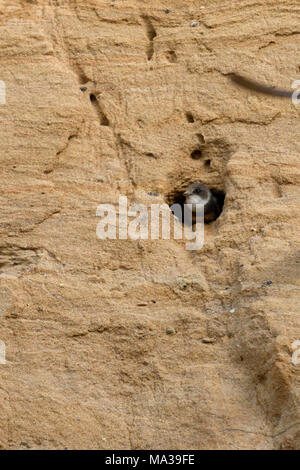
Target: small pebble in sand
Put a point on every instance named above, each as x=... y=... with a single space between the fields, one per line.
x=83 y=88
x=208 y=340
x=170 y=331
x=232 y=310
x=167 y=11
x=194 y=24
x=142 y=304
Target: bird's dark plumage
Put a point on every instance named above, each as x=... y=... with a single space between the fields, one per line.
x=258 y=87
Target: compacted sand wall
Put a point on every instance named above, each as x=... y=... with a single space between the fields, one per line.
x=143 y=344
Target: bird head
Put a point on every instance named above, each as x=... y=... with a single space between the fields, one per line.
x=197 y=189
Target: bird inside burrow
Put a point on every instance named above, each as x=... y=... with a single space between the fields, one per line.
x=199 y=199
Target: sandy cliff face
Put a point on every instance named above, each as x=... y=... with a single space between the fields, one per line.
x=85 y=322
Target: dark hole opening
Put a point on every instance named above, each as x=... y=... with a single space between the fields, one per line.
x=171 y=56
x=196 y=154
x=189 y=117
x=92 y=97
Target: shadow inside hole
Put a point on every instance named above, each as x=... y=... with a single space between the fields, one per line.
x=196 y=154
x=177 y=197
x=207 y=163
x=93 y=98
x=189 y=117
x=171 y=56
x=220 y=197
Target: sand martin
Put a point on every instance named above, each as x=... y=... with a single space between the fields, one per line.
x=259 y=87
x=199 y=195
